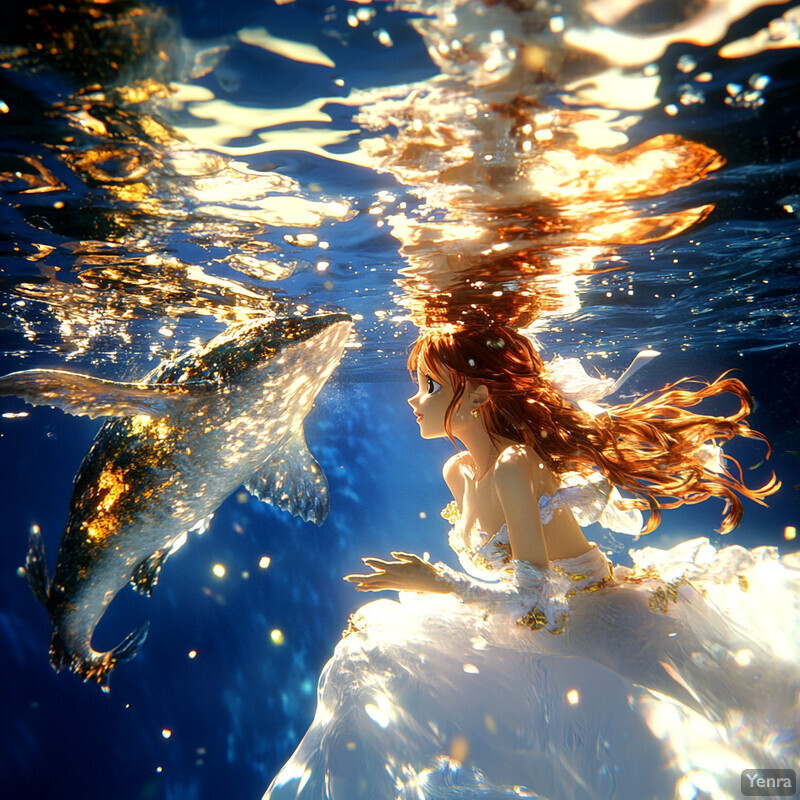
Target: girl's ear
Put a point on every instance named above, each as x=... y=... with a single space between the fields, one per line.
x=478 y=395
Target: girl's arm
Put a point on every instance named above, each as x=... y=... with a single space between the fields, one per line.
x=528 y=577
x=514 y=479
x=409 y=572
x=525 y=585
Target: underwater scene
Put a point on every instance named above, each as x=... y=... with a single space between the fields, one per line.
x=224 y=225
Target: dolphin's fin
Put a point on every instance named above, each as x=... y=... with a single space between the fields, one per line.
x=36 y=569
x=83 y=395
x=293 y=480
x=145 y=576
x=129 y=646
x=96 y=666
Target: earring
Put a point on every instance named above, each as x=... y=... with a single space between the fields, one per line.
x=474 y=413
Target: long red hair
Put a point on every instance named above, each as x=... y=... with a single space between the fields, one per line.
x=650 y=447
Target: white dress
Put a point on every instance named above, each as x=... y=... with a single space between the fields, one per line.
x=664 y=680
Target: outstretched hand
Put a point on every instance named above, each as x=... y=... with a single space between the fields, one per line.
x=409 y=573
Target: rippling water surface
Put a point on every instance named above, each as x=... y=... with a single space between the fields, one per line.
x=606 y=175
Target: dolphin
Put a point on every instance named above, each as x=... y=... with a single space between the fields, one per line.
x=176 y=445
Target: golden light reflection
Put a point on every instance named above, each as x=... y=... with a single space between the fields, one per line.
x=459 y=748
x=613 y=89
x=701 y=24
x=232 y=121
x=520 y=201
x=27 y=175
x=111 y=487
x=381 y=711
x=276 y=636
x=297 y=51
x=220 y=123
x=573 y=697
x=782 y=32
x=149 y=187
x=113 y=288
x=106 y=504
x=719 y=747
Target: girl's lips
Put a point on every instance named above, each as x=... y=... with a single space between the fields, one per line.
x=418 y=416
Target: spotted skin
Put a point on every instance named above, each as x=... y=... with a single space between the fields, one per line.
x=185 y=437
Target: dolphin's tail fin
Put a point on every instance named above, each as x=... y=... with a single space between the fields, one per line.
x=36 y=568
x=96 y=666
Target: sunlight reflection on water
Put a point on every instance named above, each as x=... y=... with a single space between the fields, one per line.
x=523 y=180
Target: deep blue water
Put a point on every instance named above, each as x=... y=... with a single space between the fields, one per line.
x=125 y=215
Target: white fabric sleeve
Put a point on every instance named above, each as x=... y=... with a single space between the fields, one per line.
x=591 y=499
x=521 y=588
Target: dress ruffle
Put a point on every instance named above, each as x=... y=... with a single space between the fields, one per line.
x=666 y=681
x=591 y=499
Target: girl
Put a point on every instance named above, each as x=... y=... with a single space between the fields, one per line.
x=487 y=387
x=542 y=671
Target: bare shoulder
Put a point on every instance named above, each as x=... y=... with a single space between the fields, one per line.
x=451 y=471
x=517 y=456
x=517 y=464
x=454 y=477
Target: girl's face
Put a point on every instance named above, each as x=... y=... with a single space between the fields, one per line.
x=430 y=403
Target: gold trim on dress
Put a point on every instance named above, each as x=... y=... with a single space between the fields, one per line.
x=535 y=619
x=354 y=624
x=503 y=551
x=451 y=512
x=562 y=624
x=661 y=597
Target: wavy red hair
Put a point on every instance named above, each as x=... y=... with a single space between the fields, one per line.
x=649 y=447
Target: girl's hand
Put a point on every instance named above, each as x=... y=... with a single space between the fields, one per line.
x=409 y=573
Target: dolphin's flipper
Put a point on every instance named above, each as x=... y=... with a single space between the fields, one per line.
x=293 y=480
x=145 y=576
x=130 y=645
x=83 y=395
x=36 y=569
x=96 y=666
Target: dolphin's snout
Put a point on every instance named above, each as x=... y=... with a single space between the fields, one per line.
x=309 y=327
x=328 y=332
